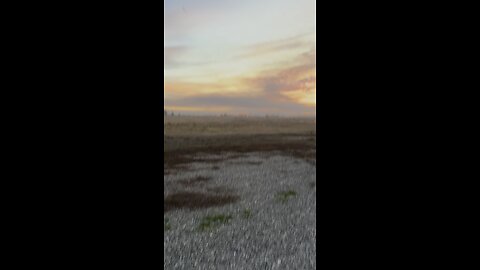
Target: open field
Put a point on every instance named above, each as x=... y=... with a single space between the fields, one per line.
x=191 y=133
x=240 y=193
x=208 y=126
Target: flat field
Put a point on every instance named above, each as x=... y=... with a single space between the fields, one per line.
x=207 y=126
x=239 y=193
x=190 y=133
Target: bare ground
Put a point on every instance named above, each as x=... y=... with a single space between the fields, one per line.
x=257 y=177
x=196 y=138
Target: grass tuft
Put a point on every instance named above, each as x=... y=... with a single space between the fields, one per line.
x=166 y=225
x=211 y=222
x=247 y=213
x=285 y=196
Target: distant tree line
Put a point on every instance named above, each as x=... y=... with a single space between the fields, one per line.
x=165 y=113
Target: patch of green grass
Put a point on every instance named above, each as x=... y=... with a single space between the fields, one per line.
x=211 y=222
x=286 y=195
x=247 y=213
x=166 y=225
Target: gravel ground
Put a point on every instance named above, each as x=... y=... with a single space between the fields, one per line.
x=264 y=232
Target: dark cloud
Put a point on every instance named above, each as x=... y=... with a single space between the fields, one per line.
x=171 y=55
x=242 y=104
x=278 y=82
x=219 y=100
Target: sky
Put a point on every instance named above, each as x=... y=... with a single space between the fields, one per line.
x=252 y=57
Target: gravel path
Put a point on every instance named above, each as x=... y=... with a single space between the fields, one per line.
x=271 y=226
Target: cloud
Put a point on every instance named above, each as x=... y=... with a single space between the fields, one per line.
x=295 y=43
x=289 y=89
x=184 y=18
x=289 y=82
x=231 y=56
x=239 y=104
x=172 y=54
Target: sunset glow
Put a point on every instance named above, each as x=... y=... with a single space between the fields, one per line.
x=240 y=57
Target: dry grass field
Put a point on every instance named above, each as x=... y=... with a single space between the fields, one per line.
x=189 y=133
x=186 y=137
x=207 y=126
x=192 y=139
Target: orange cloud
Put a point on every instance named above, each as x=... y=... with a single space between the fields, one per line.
x=294 y=44
x=289 y=86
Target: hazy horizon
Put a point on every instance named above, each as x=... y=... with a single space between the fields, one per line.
x=207 y=114
x=240 y=57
